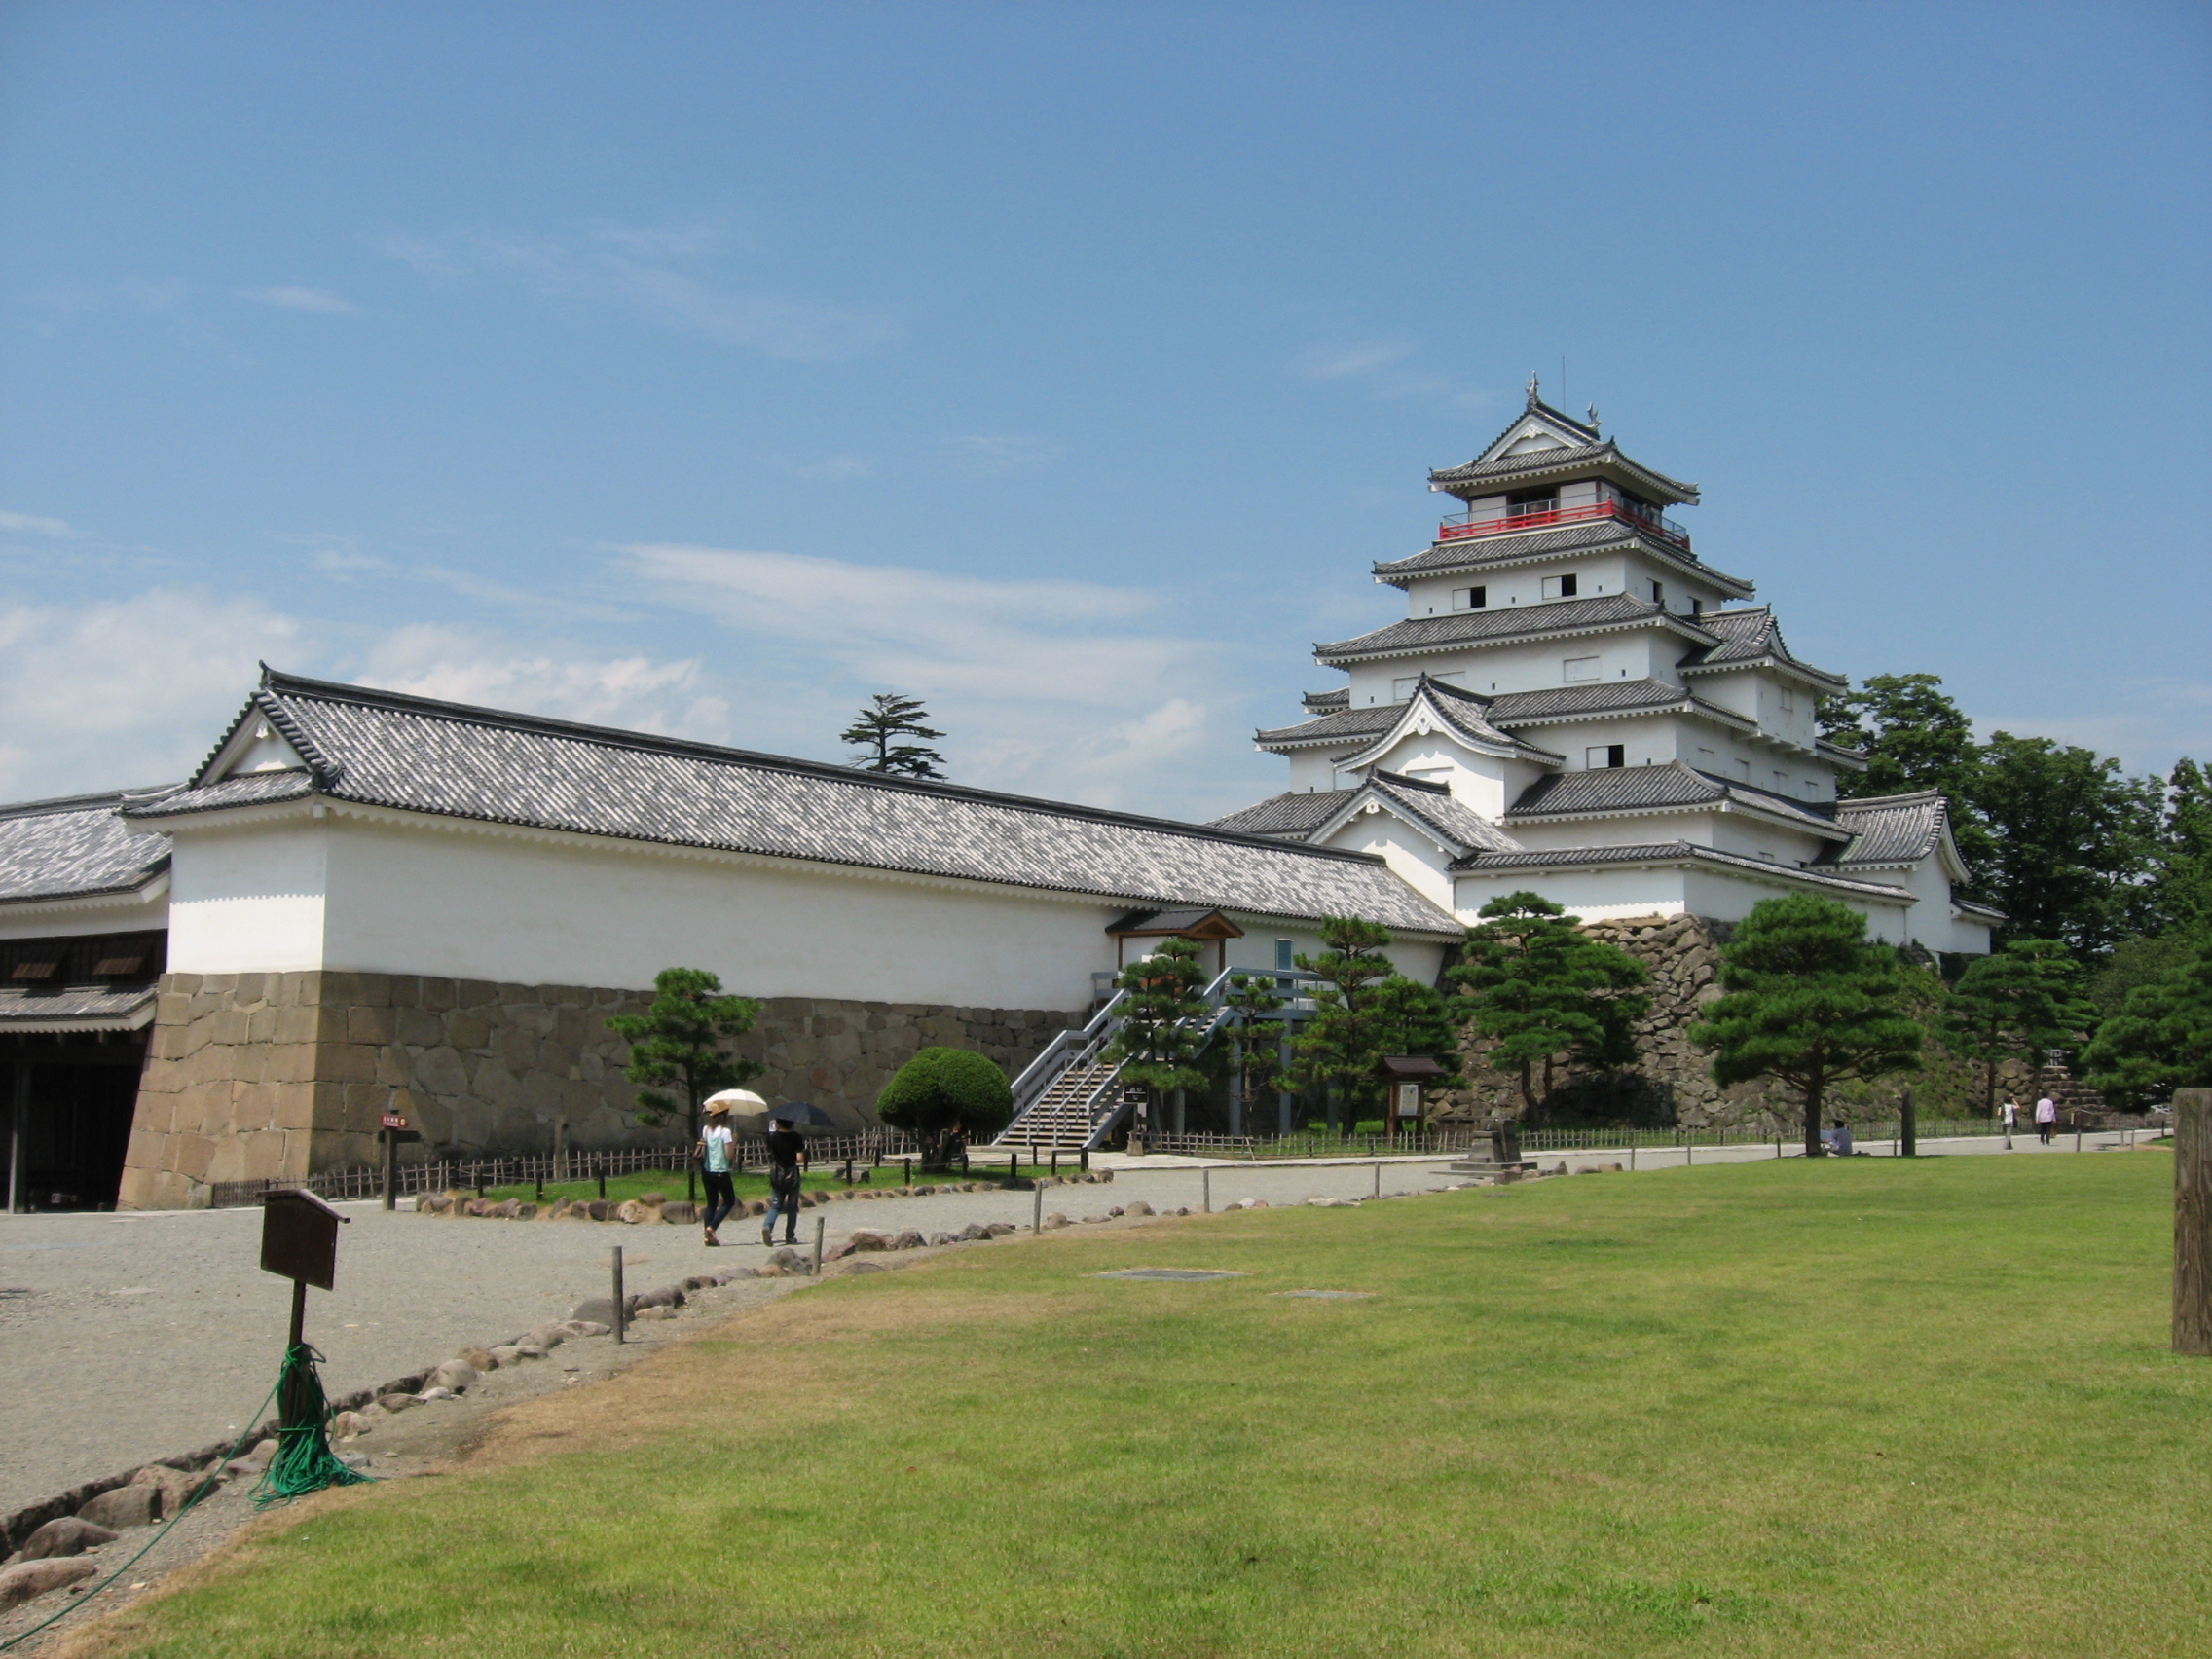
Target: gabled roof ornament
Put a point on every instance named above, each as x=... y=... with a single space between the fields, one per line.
x=1534 y=399
x=1592 y=412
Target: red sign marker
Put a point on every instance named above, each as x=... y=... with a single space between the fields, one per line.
x=393 y=1120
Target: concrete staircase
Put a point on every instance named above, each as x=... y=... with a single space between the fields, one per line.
x=1066 y=1116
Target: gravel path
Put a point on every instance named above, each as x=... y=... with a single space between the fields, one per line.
x=126 y=1338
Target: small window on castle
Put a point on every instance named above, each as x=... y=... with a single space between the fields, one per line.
x=1781 y=782
x=1605 y=755
x=1401 y=690
x=1789 y=701
x=1743 y=771
x=1705 y=759
x=1580 y=668
x=1559 y=587
x=1658 y=593
x=1470 y=598
x=1286 y=950
x=1697 y=607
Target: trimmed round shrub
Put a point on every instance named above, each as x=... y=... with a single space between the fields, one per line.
x=941 y=1089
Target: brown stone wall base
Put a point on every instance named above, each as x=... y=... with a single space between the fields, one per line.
x=252 y=1075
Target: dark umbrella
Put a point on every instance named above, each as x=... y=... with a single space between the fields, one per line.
x=801 y=1115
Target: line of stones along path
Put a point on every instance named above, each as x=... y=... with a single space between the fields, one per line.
x=126 y=1338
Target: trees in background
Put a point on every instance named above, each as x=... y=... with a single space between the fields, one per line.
x=2014 y=1005
x=942 y=1089
x=1808 y=1001
x=1252 y=999
x=1164 y=1021
x=2161 y=1038
x=1414 y=1018
x=879 y=728
x=1342 y=1041
x=1542 y=990
x=680 y=1041
x=2056 y=835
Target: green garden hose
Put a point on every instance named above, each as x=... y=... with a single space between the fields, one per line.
x=303 y=1460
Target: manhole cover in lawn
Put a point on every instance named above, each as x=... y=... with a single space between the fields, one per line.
x=1168 y=1273
x=1328 y=1295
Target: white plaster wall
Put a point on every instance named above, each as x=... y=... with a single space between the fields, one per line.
x=74 y=921
x=1483 y=782
x=1631 y=654
x=248 y=899
x=477 y=907
x=1415 y=859
x=1313 y=769
x=1634 y=832
x=1728 y=898
x=1753 y=839
x=1592 y=895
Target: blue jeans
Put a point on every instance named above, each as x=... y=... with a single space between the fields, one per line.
x=782 y=1200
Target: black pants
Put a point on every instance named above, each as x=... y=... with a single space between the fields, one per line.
x=2043 y=1133
x=721 y=1198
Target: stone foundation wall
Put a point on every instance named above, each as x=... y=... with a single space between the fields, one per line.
x=1682 y=955
x=252 y=1075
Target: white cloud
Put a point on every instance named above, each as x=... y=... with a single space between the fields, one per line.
x=641 y=269
x=128 y=692
x=1057 y=688
x=999 y=454
x=32 y=524
x=302 y=300
x=633 y=692
x=1387 y=369
x=835 y=468
x=2156 y=722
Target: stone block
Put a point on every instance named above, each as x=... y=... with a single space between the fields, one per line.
x=345 y=1062
x=440 y=1071
x=468 y=1030
x=357 y=990
x=437 y=995
x=371 y=1024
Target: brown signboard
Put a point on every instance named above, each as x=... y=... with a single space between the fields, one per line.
x=299 y=1238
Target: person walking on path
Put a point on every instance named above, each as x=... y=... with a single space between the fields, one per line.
x=787 y=1163
x=2008 y=1115
x=2046 y=1119
x=713 y=1154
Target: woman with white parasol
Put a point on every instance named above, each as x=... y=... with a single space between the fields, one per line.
x=716 y=1143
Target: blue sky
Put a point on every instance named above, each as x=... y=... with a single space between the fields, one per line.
x=703 y=368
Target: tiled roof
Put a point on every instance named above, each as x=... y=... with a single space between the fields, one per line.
x=1633 y=789
x=1434 y=805
x=1475 y=552
x=1606 y=697
x=1479 y=627
x=1901 y=829
x=1750 y=636
x=1324 y=701
x=77 y=1008
x=1672 y=852
x=243 y=788
x=413 y=755
x=75 y=847
x=1351 y=725
x=1289 y=816
x=1501 y=470
x=1465 y=713
x=1987 y=913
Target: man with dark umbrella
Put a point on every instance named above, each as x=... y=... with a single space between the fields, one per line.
x=787 y=1163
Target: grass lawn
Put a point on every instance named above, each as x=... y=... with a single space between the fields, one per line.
x=1797 y=1408
x=753 y=1183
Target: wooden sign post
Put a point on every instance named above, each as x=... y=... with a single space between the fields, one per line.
x=299 y=1242
x=2193 y=1221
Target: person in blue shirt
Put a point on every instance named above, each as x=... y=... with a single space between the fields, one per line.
x=713 y=1154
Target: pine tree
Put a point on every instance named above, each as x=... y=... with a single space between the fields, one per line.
x=1809 y=1001
x=679 y=1040
x=877 y=727
x=2161 y=1040
x=1339 y=1048
x=1414 y=1018
x=2014 y=1005
x=2181 y=896
x=1251 y=999
x=1541 y=990
x=1164 y=1021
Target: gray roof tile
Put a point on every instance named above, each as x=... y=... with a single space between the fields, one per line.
x=1476 y=551
x=1288 y=817
x=1501 y=470
x=1748 y=636
x=1902 y=828
x=1436 y=806
x=77 y=1008
x=1631 y=789
x=1480 y=627
x=1668 y=852
x=76 y=847
x=414 y=754
x=1606 y=697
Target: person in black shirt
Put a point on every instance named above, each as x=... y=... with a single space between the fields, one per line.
x=787 y=1160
